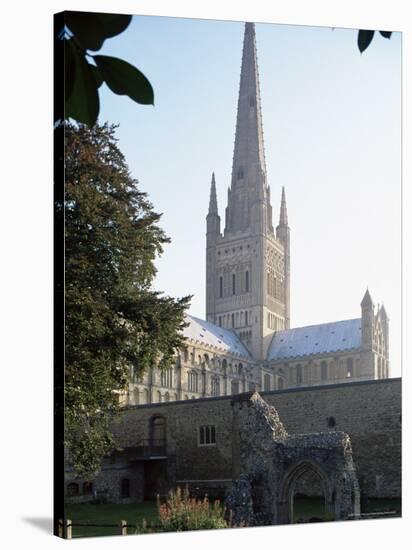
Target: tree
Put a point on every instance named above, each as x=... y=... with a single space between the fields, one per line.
x=112 y=317
x=77 y=34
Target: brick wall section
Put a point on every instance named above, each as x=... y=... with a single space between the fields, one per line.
x=368 y=411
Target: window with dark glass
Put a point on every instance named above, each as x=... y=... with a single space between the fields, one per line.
x=220 y=286
x=349 y=367
x=125 y=488
x=247 y=281
x=72 y=489
x=324 y=370
x=233 y=283
x=299 y=374
x=207 y=435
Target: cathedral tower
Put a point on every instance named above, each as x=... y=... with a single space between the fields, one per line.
x=248 y=266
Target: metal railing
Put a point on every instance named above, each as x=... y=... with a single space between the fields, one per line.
x=151 y=448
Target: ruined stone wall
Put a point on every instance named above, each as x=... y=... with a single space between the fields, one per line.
x=368 y=411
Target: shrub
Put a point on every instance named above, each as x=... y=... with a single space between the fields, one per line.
x=181 y=512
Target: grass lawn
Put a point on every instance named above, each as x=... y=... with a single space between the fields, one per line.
x=382 y=505
x=109 y=514
x=306 y=508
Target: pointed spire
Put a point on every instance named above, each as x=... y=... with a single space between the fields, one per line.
x=367 y=300
x=249 y=152
x=249 y=167
x=213 y=198
x=283 y=218
x=383 y=313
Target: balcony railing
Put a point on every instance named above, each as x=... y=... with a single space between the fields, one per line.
x=151 y=448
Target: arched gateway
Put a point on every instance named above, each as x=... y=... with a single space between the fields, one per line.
x=269 y=465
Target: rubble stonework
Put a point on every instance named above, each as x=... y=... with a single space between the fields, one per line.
x=268 y=463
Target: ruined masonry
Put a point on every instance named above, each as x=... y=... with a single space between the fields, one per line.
x=268 y=463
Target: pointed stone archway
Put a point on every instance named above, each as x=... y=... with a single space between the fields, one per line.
x=292 y=477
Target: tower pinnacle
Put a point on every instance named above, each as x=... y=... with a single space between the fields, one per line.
x=213 y=198
x=283 y=218
x=367 y=300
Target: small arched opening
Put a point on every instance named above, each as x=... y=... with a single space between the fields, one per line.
x=306 y=495
x=157 y=431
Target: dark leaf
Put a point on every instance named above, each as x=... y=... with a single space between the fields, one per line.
x=83 y=103
x=69 y=68
x=97 y=75
x=124 y=79
x=364 y=39
x=92 y=29
x=386 y=34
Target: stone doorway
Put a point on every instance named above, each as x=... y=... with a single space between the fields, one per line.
x=306 y=494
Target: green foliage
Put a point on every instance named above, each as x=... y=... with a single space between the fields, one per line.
x=85 y=32
x=181 y=512
x=112 y=317
x=365 y=38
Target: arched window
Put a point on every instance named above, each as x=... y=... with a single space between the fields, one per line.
x=215 y=385
x=299 y=377
x=220 y=286
x=220 y=320
x=125 y=488
x=240 y=174
x=166 y=378
x=87 y=488
x=192 y=381
x=159 y=397
x=323 y=370
x=224 y=364
x=246 y=319
x=233 y=320
x=157 y=429
x=167 y=396
x=266 y=382
x=233 y=283
x=281 y=383
x=349 y=367
x=247 y=281
x=240 y=368
x=72 y=489
x=185 y=355
x=234 y=387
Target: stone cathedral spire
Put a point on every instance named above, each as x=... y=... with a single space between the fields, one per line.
x=249 y=196
x=248 y=266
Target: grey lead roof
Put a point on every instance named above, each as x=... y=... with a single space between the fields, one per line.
x=212 y=335
x=315 y=339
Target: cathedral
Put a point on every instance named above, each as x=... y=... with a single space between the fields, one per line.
x=246 y=341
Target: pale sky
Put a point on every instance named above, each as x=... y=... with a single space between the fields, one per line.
x=332 y=129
